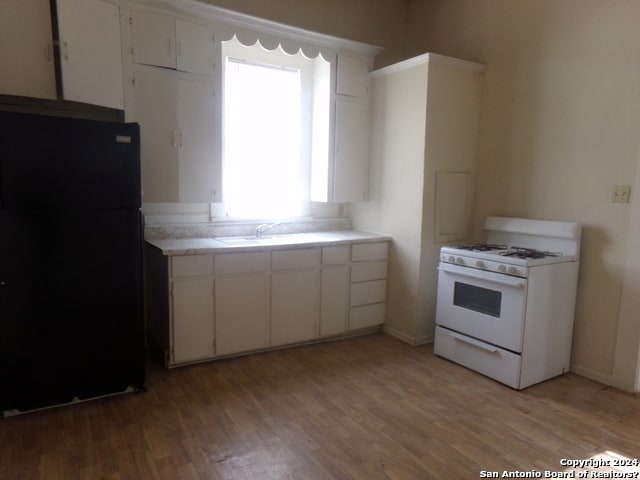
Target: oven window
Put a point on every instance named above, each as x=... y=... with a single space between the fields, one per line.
x=477 y=299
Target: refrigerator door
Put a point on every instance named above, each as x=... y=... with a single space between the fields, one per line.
x=54 y=162
x=70 y=306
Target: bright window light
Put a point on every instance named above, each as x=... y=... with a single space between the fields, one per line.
x=262 y=141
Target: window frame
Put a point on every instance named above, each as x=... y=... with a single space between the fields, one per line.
x=310 y=73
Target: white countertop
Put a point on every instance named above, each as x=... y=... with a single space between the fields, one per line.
x=192 y=246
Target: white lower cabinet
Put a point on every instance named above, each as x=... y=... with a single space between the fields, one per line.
x=242 y=302
x=232 y=303
x=368 y=290
x=295 y=296
x=334 y=290
x=192 y=333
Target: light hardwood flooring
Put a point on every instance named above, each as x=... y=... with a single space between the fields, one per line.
x=370 y=407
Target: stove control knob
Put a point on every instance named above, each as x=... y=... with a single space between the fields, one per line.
x=460 y=260
x=452 y=259
x=502 y=268
x=512 y=271
x=479 y=264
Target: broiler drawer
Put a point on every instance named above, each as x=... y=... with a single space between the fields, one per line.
x=484 y=358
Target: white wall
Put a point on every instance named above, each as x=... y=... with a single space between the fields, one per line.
x=560 y=127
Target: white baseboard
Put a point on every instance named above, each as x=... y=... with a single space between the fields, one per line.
x=405 y=337
x=600 y=377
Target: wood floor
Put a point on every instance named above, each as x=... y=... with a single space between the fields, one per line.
x=365 y=408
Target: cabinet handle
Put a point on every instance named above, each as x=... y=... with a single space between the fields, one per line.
x=475 y=343
x=47 y=51
x=176 y=138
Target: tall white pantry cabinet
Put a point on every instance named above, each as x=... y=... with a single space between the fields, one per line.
x=424 y=134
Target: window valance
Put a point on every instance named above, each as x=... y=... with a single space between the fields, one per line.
x=249 y=30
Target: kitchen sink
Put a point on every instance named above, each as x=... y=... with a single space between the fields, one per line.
x=262 y=240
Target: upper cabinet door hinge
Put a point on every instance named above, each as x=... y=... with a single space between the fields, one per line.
x=130 y=20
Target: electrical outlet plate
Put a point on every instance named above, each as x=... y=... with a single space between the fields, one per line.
x=620 y=193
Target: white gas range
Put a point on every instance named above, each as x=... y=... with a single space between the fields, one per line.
x=505 y=308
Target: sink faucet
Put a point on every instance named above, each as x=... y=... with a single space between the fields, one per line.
x=260 y=229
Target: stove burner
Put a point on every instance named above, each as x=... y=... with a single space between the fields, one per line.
x=521 y=252
x=481 y=247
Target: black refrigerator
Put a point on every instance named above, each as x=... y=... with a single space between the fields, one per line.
x=71 y=323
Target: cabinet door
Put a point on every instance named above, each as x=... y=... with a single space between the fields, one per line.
x=351 y=162
x=366 y=316
x=193 y=335
x=26 y=49
x=242 y=313
x=199 y=171
x=90 y=51
x=294 y=306
x=194 y=46
x=353 y=76
x=155 y=99
x=153 y=39
x=334 y=290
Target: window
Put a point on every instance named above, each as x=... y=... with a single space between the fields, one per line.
x=272 y=126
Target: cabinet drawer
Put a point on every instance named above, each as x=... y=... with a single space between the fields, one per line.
x=366 y=316
x=191 y=265
x=481 y=357
x=361 y=272
x=250 y=262
x=363 y=252
x=338 y=255
x=368 y=292
x=290 y=259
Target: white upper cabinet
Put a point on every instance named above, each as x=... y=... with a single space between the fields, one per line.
x=194 y=48
x=26 y=49
x=153 y=38
x=199 y=171
x=179 y=151
x=353 y=76
x=90 y=52
x=351 y=165
x=156 y=110
x=343 y=175
x=165 y=41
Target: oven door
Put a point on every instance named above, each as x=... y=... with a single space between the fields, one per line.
x=485 y=305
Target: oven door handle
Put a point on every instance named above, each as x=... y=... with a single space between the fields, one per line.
x=487 y=277
x=471 y=341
